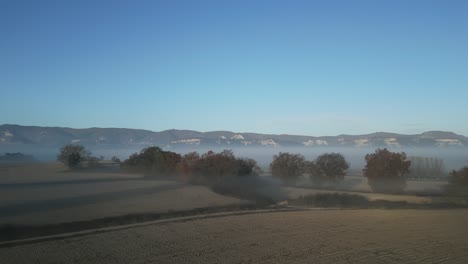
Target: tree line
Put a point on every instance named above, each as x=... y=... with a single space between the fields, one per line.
x=385 y=171
x=192 y=167
x=326 y=168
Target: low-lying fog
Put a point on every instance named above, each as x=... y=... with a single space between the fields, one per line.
x=453 y=158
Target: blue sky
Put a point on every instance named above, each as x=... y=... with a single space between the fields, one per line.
x=296 y=67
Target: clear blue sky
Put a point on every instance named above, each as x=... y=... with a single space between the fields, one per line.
x=297 y=67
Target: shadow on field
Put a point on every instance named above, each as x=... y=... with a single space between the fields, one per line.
x=63 y=203
x=262 y=191
x=73 y=181
x=10 y=232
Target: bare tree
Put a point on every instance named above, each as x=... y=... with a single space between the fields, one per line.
x=426 y=167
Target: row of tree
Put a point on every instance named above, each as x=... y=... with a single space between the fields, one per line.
x=426 y=167
x=193 y=167
x=385 y=171
x=326 y=168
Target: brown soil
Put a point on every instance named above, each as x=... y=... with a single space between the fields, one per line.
x=330 y=236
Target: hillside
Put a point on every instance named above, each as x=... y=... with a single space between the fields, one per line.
x=55 y=136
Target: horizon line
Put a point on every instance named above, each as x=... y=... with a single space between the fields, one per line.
x=236 y=132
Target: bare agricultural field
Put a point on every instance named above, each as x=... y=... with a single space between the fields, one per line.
x=54 y=172
x=24 y=193
x=328 y=236
x=160 y=199
x=48 y=194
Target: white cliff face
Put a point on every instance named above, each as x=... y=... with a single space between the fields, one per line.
x=238 y=137
x=245 y=142
x=6 y=136
x=448 y=142
x=317 y=142
x=392 y=142
x=362 y=142
x=269 y=142
x=191 y=141
x=53 y=135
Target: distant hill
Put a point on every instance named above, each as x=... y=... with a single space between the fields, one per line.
x=56 y=136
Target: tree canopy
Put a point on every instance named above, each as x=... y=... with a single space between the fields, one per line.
x=212 y=166
x=153 y=161
x=288 y=167
x=208 y=167
x=328 y=168
x=386 y=170
x=73 y=155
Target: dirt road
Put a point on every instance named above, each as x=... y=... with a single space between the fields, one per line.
x=333 y=236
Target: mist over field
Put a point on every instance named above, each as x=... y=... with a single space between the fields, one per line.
x=50 y=196
x=453 y=157
x=233 y=131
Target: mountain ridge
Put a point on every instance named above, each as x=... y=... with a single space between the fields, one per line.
x=38 y=135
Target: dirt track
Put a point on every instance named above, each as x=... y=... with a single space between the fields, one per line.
x=335 y=236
